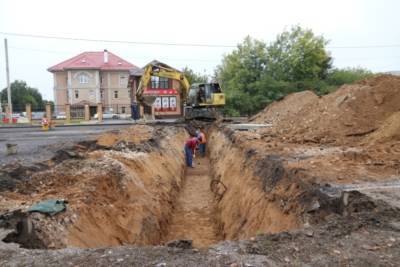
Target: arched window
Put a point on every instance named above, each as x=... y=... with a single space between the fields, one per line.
x=83 y=78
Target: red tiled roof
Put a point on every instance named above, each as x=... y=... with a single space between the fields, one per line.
x=93 y=60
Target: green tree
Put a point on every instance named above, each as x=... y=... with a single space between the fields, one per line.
x=194 y=77
x=339 y=77
x=254 y=74
x=240 y=73
x=298 y=55
x=22 y=94
x=51 y=103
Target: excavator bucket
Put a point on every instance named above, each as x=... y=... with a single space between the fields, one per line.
x=148 y=100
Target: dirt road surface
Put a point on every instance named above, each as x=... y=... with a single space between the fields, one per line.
x=194 y=216
x=35 y=145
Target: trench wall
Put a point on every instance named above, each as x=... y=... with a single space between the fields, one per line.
x=245 y=207
x=133 y=203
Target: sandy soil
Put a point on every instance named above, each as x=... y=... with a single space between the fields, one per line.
x=194 y=216
x=319 y=187
x=119 y=195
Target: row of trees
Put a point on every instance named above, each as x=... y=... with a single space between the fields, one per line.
x=22 y=94
x=255 y=74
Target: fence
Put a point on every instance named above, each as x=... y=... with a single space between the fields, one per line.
x=67 y=113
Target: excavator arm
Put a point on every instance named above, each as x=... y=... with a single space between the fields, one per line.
x=200 y=100
x=159 y=69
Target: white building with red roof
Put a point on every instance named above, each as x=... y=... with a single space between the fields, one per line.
x=92 y=78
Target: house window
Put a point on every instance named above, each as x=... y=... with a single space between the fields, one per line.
x=101 y=94
x=123 y=80
x=115 y=94
x=76 y=94
x=123 y=110
x=159 y=82
x=83 y=78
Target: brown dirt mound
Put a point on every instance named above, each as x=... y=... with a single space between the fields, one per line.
x=352 y=111
x=281 y=110
x=388 y=131
x=134 y=135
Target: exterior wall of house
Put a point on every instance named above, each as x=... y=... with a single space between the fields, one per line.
x=68 y=83
x=91 y=81
x=168 y=101
x=87 y=91
x=111 y=83
x=60 y=80
x=83 y=94
x=176 y=84
x=60 y=97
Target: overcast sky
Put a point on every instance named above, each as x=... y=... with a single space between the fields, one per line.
x=343 y=22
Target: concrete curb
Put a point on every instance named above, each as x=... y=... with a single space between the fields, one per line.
x=68 y=125
x=92 y=124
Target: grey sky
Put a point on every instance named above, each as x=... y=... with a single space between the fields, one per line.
x=343 y=22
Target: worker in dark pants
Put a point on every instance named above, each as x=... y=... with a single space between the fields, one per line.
x=190 y=148
x=203 y=141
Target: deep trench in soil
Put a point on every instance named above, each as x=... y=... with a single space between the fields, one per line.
x=194 y=216
x=145 y=195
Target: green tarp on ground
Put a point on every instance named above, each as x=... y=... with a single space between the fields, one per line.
x=51 y=206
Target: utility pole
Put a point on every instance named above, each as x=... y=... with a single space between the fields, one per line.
x=8 y=82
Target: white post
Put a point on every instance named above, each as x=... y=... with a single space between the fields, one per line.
x=8 y=82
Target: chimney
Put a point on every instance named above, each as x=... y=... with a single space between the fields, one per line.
x=105 y=56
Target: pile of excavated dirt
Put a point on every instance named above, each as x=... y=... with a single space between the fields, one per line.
x=348 y=136
x=351 y=111
x=388 y=131
x=319 y=186
x=139 y=134
x=278 y=195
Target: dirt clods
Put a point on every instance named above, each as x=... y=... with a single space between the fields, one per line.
x=317 y=185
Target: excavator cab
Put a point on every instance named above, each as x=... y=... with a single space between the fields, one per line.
x=205 y=94
x=202 y=101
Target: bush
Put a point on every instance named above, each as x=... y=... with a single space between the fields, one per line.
x=338 y=77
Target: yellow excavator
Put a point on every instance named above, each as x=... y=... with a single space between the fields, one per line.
x=200 y=100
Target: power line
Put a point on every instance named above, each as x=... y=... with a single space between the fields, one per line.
x=364 y=46
x=70 y=52
x=115 y=41
x=172 y=44
x=64 y=52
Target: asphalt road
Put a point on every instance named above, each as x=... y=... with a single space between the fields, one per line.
x=35 y=145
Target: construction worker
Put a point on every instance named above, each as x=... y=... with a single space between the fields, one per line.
x=190 y=148
x=203 y=141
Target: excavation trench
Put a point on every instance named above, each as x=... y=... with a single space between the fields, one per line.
x=140 y=192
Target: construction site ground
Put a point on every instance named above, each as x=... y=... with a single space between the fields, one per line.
x=309 y=181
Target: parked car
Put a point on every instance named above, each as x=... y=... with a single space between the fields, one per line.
x=61 y=115
x=107 y=115
x=37 y=115
x=22 y=119
x=15 y=117
x=124 y=116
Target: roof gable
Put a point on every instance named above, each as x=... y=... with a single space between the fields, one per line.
x=93 y=60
